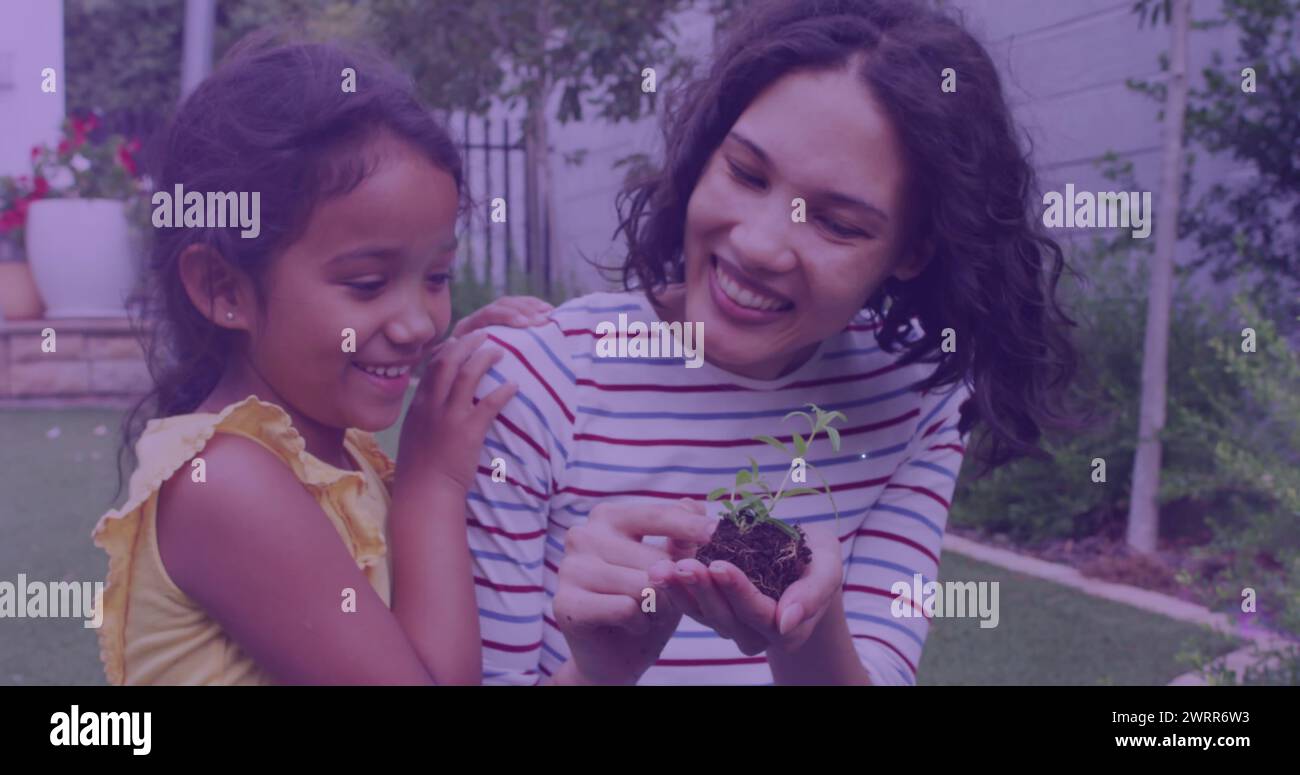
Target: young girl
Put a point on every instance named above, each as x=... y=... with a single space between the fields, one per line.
x=266 y=538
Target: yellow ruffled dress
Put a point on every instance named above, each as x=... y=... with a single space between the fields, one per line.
x=153 y=633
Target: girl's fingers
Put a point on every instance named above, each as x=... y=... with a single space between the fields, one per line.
x=478 y=319
x=491 y=405
x=517 y=311
x=448 y=366
x=471 y=374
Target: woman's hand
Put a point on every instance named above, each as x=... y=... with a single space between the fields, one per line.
x=602 y=581
x=514 y=311
x=444 y=429
x=723 y=598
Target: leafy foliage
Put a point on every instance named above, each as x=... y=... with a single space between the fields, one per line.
x=1247 y=225
x=751 y=492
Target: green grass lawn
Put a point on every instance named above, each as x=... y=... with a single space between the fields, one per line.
x=55 y=486
x=1053 y=635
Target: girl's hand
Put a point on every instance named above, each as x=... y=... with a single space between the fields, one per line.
x=723 y=598
x=444 y=429
x=515 y=311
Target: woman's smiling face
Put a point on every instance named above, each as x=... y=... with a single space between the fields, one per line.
x=769 y=289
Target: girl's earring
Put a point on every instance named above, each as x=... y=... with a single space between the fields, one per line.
x=230 y=316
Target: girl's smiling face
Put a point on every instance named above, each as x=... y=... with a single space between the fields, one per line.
x=376 y=260
x=768 y=288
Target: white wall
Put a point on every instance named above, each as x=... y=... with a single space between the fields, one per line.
x=1064 y=66
x=584 y=212
x=31 y=39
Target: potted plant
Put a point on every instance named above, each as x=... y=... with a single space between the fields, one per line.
x=19 y=299
x=74 y=221
x=769 y=552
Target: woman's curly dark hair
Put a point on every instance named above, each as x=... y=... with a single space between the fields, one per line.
x=994 y=272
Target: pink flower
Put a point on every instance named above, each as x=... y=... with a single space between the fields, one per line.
x=41 y=188
x=125 y=156
x=36 y=151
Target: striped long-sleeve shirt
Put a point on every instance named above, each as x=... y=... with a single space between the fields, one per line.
x=585 y=429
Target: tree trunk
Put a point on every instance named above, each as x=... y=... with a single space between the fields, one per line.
x=196 y=52
x=1144 y=512
x=539 y=160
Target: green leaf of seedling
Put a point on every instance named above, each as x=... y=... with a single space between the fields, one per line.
x=773 y=442
x=834 y=437
x=790 y=531
x=718 y=493
x=836 y=415
x=831 y=496
x=799 y=491
x=800 y=446
x=753 y=467
x=730 y=506
x=795 y=413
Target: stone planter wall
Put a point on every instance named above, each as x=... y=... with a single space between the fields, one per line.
x=93 y=358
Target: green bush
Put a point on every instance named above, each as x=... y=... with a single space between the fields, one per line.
x=1260 y=540
x=470 y=292
x=1035 y=500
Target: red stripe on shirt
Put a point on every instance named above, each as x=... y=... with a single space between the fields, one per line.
x=518 y=355
x=491 y=644
x=515 y=429
x=900 y=539
x=698 y=496
x=892 y=648
x=922 y=490
x=498 y=531
x=710 y=662
x=877 y=591
x=734 y=442
x=482 y=582
x=535 y=493
x=954 y=447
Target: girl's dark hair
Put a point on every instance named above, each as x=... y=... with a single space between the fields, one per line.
x=272 y=118
x=994 y=272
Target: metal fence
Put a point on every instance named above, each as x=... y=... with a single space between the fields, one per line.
x=498 y=164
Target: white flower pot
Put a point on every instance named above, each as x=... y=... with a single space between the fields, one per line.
x=82 y=256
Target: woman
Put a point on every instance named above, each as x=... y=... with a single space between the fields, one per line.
x=848 y=234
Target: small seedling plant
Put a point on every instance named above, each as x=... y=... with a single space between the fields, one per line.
x=769 y=551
